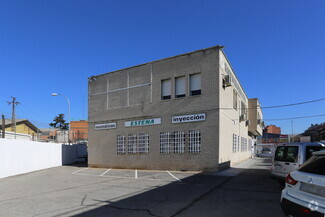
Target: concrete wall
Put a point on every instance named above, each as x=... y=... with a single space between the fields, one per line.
x=18 y=156
x=19 y=136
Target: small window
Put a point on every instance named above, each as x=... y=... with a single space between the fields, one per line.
x=120 y=144
x=194 y=141
x=143 y=143
x=180 y=84
x=166 y=86
x=165 y=142
x=234 y=143
x=235 y=100
x=195 y=84
x=132 y=144
x=179 y=142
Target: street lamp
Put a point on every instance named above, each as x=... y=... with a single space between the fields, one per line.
x=56 y=94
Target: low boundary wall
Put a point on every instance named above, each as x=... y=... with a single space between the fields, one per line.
x=19 y=156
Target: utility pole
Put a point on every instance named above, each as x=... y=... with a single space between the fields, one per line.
x=13 y=120
x=3 y=126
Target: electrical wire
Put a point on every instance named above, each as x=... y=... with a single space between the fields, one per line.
x=280 y=119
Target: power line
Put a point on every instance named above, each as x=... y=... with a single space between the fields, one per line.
x=293 y=104
x=280 y=119
x=279 y=106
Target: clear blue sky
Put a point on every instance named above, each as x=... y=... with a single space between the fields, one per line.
x=276 y=48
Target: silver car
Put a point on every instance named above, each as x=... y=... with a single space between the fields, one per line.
x=290 y=156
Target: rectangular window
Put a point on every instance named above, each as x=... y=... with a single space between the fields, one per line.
x=235 y=100
x=166 y=89
x=143 y=143
x=234 y=143
x=238 y=143
x=243 y=144
x=243 y=109
x=194 y=141
x=195 y=84
x=179 y=142
x=120 y=144
x=165 y=142
x=132 y=144
x=180 y=84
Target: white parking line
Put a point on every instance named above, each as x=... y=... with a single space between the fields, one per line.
x=80 y=170
x=173 y=176
x=136 y=174
x=105 y=172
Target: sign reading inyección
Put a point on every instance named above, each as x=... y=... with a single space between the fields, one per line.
x=188 y=118
x=105 y=126
x=145 y=122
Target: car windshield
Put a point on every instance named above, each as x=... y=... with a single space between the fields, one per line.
x=315 y=165
x=311 y=149
x=286 y=153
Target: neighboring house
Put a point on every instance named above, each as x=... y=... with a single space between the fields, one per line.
x=79 y=131
x=47 y=135
x=187 y=112
x=23 y=126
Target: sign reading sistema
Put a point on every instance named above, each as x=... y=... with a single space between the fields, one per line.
x=145 y=122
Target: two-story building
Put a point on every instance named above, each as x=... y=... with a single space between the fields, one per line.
x=187 y=112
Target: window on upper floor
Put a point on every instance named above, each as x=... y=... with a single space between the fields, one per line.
x=166 y=86
x=235 y=100
x=180 y=84
x=195 y=84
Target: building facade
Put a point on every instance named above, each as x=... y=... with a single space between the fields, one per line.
x=79 y=131
x=187 y=112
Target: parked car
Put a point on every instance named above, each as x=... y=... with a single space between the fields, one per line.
x=290 y=156
x=304 y=194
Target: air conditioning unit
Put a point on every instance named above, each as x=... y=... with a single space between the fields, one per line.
x=227 y=81
x=247 y=123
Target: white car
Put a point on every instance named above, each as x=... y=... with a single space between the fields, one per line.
x=304 y=193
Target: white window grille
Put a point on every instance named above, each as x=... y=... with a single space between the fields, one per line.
x=195 y=84
x=120 y=144
x=243 y=144
x=180 y=87
x=166 y=89
x=234 y=143
x=132 y=144
x=238 y=143
x=179 y=142
x=165 y=142
x=194 y=141
x=143 y=143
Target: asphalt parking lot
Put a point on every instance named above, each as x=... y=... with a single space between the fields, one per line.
x=245 y=190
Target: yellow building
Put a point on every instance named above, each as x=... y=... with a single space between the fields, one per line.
x=22 y=126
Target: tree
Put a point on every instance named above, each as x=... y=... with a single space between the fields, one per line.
x=59 y=122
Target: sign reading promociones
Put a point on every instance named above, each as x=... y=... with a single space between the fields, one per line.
x=105 y=126
x=188 y=118
x=145 y=122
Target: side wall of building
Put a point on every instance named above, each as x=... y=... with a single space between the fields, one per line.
x=135 y=94
x=234 y=140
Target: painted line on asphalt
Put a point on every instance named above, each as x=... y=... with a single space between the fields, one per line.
x=136 y=174
x=105 y=172
x=121 y=177
x=173 y=176
x=80 y=170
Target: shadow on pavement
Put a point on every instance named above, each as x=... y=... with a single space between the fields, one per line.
x=251 y=193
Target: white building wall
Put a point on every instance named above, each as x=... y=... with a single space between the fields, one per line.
x=19 y=156
x=229 y=117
